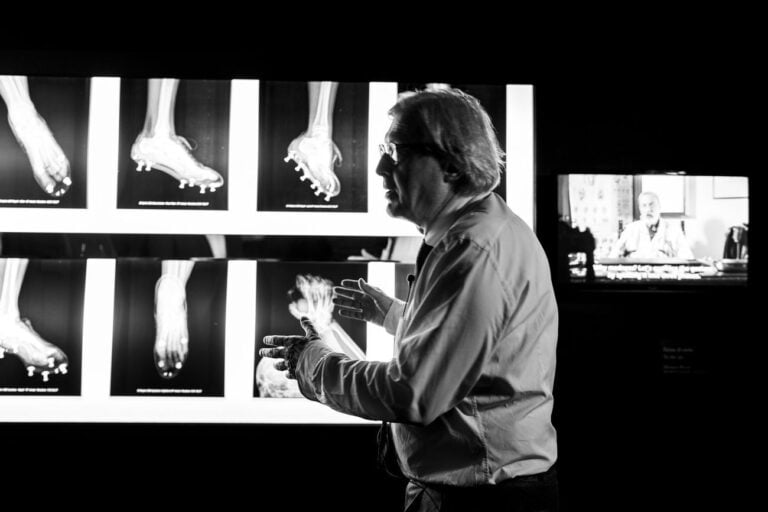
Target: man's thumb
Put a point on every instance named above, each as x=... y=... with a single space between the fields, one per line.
x=370 y=290
x=309 y=329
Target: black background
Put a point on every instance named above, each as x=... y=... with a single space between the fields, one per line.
x=133 y=365
x=284 y=114
x=51 y=297
x=202 y=117
x=629 y=436
x=63 y=102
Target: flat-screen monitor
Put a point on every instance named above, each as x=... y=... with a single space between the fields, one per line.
x=655 y=229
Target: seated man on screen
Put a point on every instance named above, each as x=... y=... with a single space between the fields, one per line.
x=651 y=236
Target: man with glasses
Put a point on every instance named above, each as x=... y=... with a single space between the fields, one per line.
x=467 y=398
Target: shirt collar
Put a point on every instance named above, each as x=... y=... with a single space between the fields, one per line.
x=455 y=209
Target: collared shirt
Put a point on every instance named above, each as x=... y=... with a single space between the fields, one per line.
x=668 y=242
x=469 y=390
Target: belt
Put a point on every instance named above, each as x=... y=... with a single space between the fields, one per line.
x=524 y=481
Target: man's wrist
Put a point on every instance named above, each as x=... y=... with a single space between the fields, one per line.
x=306 y=365
x=394 y=313
x=313 y=351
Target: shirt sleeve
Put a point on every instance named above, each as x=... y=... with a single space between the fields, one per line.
x=446 y=338
x=394 y=315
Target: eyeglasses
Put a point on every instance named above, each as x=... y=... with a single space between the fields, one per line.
x=391 y=149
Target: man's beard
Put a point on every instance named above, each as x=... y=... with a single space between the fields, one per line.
x=651 y=220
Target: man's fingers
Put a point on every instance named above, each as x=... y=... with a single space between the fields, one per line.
x=347 y=293
x=344 y=302
x=309 y=329
x=281 y=341
x=275 y=353
x=370 y=290
x=352 y=313
x=274 y=341
x=350 y=283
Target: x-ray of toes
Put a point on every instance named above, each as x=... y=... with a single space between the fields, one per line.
x=43 y=141
x=41 y=326
x=313 y=139
x=169 y=328
x=174 y=144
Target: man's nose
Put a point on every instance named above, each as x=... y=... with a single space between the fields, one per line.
x=386 y=166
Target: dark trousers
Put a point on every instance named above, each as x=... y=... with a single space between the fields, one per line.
x=530 y=493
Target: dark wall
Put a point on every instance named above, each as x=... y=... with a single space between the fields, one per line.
x=649 y=379
x=261 y=467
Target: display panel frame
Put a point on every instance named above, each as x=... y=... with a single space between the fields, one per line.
x=102 y=213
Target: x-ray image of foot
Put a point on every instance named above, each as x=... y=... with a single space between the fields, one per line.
x=169 y=327
x=314 y=151
x=17 y=336
x=171 y=331
x=159 y=147
x=311 y=297
x=171 y=154
x=50 y=166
